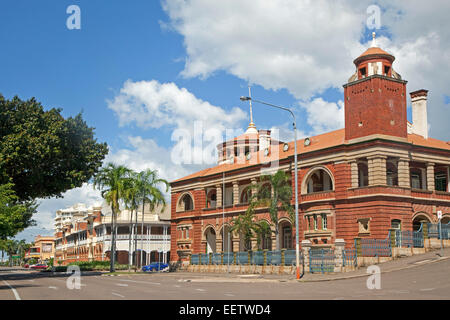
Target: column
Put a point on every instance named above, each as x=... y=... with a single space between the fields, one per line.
x=235 y=192
x=253 y=180
x=403 y=173
x=306 y=245
x=219 y=195
x=377 y=170
x=430 y=176
x=339 y=246
x=354 y=173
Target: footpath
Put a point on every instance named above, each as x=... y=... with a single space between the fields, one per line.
x=389 y=266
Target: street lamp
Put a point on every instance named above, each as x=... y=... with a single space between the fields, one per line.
x=297 y=246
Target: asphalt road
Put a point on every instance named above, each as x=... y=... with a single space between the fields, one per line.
x=427 y=281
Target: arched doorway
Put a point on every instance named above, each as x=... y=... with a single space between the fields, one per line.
x=418 y=220
x=210 y=235
x=285 y=236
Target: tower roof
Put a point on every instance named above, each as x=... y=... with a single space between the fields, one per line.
x=373 y=52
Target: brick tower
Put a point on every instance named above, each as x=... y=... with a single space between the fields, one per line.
x=375 y=97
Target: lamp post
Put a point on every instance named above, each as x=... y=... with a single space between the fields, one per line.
x=297 y=245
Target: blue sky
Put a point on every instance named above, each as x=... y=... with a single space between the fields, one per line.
x=287 y=51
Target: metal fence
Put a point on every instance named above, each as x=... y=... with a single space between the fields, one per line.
x=409 y=239
x=258 y=258
x=349 y=257
x=375 y=247
x=436 y=230
x=321 y=260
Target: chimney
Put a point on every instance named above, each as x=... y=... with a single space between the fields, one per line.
x=419 y=112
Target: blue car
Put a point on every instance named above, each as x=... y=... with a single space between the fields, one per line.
x=156 y=266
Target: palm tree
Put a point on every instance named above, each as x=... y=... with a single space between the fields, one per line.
x=277 y=198
x=112 y=180
x=131 y=203
x=245 y=226
x=147 y=183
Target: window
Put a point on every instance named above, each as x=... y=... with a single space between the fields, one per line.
x=386 y=70
x=391 y=173
x=363 y=72
x=364 y=226
x=324 y=221
x=416 y=181
x=287 y=237
x=363 y=174
x=319 y=181
x=440 y=181
x=396 y=224
x=315 y=222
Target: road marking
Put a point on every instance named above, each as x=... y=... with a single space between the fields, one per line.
x=119 y=295
x=16 y=294
x=201 y=290
x=229 y=295
x=53 y=288
x=157 y=283
x=177 y=286
x=423 y=261
x=122 y=284
x=427 y=289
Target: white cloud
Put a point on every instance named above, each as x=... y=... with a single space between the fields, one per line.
x=324 y=116
x=151 y=104
x=309 y=46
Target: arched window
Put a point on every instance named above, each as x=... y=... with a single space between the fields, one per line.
x=211 y=201
x=319 y=181
x=185 y=203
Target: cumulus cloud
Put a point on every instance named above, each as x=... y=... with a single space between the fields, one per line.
x=150 y=104
x=308 y=46
x=298 y=45
x=324 y=116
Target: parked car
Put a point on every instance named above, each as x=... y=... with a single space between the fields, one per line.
x=156 y=266
x=39 y=266
x=26 y=265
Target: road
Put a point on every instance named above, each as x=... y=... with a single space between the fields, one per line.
x=427 y=281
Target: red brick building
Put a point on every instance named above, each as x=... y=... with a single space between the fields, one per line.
x=378 y=173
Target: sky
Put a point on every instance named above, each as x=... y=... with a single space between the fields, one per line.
x=145 y=73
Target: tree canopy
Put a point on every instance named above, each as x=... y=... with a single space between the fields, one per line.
x=42 y=153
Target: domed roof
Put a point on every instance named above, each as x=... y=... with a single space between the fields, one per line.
x=373 y=52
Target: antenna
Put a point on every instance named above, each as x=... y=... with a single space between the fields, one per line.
x=250 y=100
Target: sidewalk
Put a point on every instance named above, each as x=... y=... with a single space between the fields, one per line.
x=389 y=266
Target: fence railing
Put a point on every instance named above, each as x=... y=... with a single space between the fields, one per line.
x=349 y=257
x=436 y=230
x=321 y=260
x=259 y=258
x=409 y=239
x=374 y=247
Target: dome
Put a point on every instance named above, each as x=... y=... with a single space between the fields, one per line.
x=374 y=52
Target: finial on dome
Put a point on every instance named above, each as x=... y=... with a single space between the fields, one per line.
x=251 y=127
x=373 y=40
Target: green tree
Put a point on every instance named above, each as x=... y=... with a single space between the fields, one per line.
x=42 y=153
x=14 y=216
x=113 y=180
x=131 y=200
x=245 y=226
x=148 y=187
x=275 y=192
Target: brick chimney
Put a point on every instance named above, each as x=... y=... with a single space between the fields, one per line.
x=419 y=112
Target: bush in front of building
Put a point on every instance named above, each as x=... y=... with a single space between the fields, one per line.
x=90 y=266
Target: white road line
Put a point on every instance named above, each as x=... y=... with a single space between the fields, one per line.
x=122 y=284
x=157 y=283
x=55 y=288
x=201 y=290
x=119 y=295
x=229 y=295
x=427 y=289
x=16 y=294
